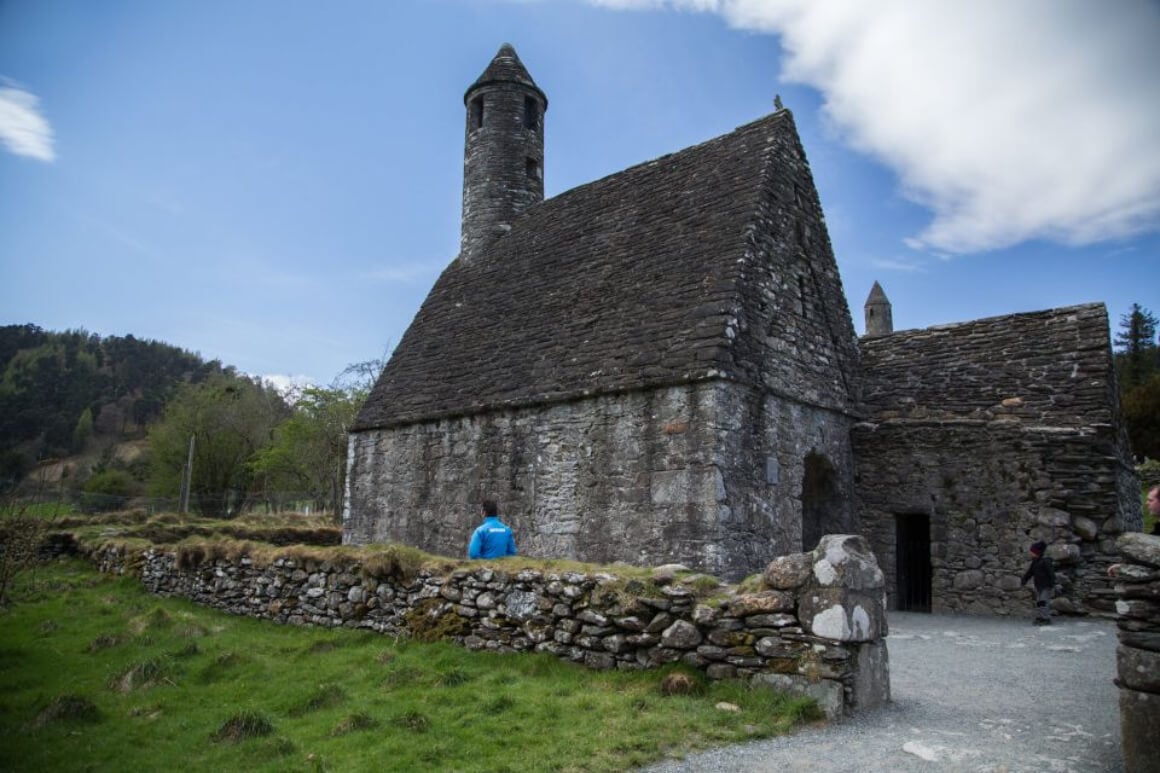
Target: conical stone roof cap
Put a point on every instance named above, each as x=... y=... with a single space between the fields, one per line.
x=877 y=295
x=505 y=67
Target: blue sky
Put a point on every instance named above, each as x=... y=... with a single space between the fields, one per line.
x=276 y=183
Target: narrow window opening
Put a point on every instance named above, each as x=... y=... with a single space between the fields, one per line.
x=533 y=168
x=802 y=295
x=798 y=198
x=477 y=113
x=803 y=232
x=531 y=113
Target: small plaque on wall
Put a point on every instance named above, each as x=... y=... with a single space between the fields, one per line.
x=771 y=470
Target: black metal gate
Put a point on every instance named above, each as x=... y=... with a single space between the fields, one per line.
x=912 y=567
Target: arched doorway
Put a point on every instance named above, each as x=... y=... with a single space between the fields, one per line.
x=823 y=509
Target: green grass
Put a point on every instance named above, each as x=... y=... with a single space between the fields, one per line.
x=97 y=675
x=46 y=510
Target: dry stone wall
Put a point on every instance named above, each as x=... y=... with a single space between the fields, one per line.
x=817 y=629
x=1138 y=656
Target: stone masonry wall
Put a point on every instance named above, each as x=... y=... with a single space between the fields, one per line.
x=708 y=475
x=1001 y=432
x=818 y=629
x=990 y=489
x=1138 y=656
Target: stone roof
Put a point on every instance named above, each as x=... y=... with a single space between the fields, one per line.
x=877 y=295
x=505 y=67
x=631 y=281
x=1048 y=367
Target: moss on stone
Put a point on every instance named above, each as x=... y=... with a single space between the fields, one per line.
x=431 y=620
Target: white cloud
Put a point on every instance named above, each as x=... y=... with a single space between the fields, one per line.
x=23 y=130
x=287 y=386
x=897 y=265
x=1008 y=120
x=646 y=5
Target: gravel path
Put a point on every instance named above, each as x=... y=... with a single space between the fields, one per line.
x=969 y=694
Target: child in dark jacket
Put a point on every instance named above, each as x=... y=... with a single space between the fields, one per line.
x=1042 y=570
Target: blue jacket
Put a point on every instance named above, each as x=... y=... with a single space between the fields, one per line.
x=493 y=539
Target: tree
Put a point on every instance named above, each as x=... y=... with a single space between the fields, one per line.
x=83 y=430
x=1141 y=406
x=231 y=418
x=308 y=454
x=309 y=450
x=359 y=378
x=1137 y=356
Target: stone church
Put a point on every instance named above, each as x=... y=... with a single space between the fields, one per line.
x=660 y=366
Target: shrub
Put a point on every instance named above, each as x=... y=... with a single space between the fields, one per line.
x=107 y=490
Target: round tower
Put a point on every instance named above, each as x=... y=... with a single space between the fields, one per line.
x=879 y=315
x=503 y=158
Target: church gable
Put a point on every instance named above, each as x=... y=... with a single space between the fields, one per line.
x=633 y=281
x=795 y=336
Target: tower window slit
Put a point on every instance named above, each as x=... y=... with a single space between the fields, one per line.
x=477 y=113
x=533 y=168
x=531 y=113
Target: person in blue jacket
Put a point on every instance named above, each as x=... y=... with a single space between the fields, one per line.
x=493 y=538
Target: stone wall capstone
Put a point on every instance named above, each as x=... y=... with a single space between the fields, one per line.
x=820 y=632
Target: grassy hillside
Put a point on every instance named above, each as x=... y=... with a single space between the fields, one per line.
x=97 y=675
